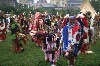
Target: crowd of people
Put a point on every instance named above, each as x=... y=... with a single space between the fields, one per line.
x=57 y=35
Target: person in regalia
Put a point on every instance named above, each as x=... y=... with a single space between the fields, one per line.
x=98 y=25
x=16 y=36
x=76 y=35
x=71 y=37
x=85 y=35
x=2 y=27
x=49 y=47
x=67 y=38
x=8 y=22
x=33 y=29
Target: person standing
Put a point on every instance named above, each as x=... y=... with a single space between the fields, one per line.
x=2 y=27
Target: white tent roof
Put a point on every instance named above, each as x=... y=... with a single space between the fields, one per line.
x=86 y=6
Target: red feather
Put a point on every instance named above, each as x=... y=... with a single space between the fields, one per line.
x=75 y=29
x=85 y=22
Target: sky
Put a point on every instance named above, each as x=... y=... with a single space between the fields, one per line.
x=17 y=0
x=38 y=0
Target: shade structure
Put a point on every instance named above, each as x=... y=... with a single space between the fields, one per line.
x=86 y=6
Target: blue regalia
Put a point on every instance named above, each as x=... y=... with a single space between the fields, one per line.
x=65 y=37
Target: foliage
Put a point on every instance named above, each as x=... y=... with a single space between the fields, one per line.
x=7 y=8
x=96 y=5
x=19 y=8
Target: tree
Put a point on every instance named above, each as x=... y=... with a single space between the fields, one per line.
x=7 y=8
x=96 y=4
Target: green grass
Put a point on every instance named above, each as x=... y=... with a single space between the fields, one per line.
x=34 y=56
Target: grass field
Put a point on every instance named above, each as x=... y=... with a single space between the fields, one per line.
x=34 y=56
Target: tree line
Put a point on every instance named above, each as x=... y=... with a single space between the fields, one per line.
x=19 y=8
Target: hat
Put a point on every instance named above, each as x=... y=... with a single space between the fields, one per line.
x=72 y=17
x=67 y=15
x=80 y=15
